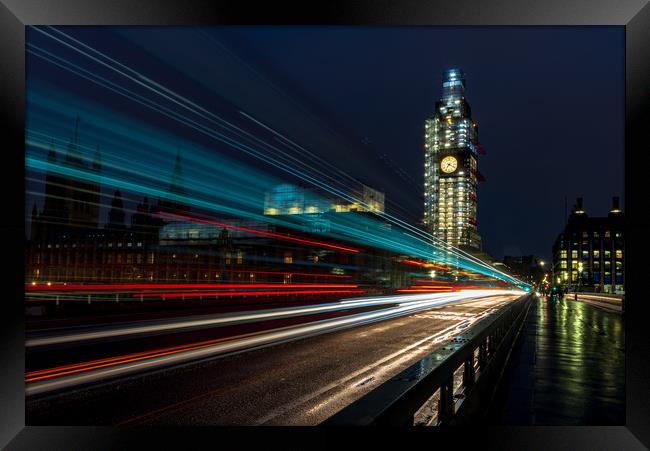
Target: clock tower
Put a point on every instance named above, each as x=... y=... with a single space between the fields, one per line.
x=451 y=150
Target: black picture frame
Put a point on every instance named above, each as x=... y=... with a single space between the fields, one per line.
x=634 y=15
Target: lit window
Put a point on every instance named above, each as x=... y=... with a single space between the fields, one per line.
x=574 y=253
x=619 y=253
x=596 y=254
x=563 y=253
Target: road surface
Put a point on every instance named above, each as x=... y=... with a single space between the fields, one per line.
x=298 y=382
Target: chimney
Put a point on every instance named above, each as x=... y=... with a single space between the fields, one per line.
x=579 y=204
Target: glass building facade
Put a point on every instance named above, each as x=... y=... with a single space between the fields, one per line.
x=451 y=166
x=287 y=199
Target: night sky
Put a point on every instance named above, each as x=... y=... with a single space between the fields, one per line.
x=549 y=102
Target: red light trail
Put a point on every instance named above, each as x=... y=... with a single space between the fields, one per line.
x=310 y=274
x=425 y=265
x=177 y=286
x=259 y=232
x=195 y=294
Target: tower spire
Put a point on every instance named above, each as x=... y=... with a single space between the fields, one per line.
x=73 y=155
x=51 y=154
x=176 y=188
x=76 y=131
x=97 y=160
x=34 y=231
x=176 y=185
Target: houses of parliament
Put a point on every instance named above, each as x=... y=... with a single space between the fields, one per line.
x=68 y=244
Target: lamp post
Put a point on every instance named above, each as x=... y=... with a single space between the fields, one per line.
x=579 y=275
x=541 y=270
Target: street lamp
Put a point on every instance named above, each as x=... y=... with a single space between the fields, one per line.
x=579 y=274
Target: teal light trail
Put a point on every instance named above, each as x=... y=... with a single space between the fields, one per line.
x=138 y=159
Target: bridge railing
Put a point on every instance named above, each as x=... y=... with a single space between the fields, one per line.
x=616 y=300
x=449 y=386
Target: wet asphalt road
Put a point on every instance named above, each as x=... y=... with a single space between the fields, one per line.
x=296 y=383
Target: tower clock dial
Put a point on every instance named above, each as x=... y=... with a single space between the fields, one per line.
x=448 y=164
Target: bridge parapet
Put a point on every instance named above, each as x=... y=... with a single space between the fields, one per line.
x=613 y=300
x=603 y=296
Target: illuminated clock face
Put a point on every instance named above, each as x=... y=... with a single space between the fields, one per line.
x=448 y=164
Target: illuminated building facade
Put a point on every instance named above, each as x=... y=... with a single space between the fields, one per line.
x=287 y=199
x=451 y=174
x=589 y=255
x=68 y=245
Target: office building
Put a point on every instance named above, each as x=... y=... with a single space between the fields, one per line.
x=589 y=254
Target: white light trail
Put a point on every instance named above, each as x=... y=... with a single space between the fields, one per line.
x=409 y=304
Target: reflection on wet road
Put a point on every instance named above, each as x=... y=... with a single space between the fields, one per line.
x=568 y=368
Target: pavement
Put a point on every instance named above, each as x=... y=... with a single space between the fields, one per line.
x=568 y=368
